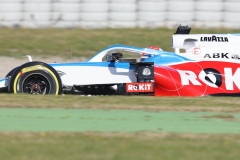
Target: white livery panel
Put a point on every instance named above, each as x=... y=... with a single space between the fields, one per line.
x=86 y=75
x=3 y=83
x=207 y=46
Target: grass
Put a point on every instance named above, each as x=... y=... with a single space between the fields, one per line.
x=120 y=146
x=83 y=43
x=231 y=104
x=99 y=146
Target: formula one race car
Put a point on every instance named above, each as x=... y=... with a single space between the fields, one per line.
x=208 y=66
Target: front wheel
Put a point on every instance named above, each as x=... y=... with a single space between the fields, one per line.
x=35 y=78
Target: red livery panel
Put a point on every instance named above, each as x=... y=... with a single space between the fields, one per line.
x=197 y=79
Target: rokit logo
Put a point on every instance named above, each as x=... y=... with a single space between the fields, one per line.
x=212 y=78
x=139 y=87
x=214 y=39
x=222 y=55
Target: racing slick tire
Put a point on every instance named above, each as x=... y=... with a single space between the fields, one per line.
x=35 y=78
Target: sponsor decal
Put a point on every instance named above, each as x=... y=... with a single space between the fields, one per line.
x=146 y=72
x=196 y=51
x=139 y=87
x=222 y=55
x=212 y=78
x=235 y=56
x=214 y=39
x=217 y=55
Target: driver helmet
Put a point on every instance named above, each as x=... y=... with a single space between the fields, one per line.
x=145 y=56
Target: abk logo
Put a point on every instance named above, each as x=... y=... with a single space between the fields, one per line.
x=212 y=78
x=139 y=87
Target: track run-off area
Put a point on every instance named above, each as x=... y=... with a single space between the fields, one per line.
x=105 y=120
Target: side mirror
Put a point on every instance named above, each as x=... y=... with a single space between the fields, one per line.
x=116 y=56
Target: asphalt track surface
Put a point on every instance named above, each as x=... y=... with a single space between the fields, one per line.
x=94 y=120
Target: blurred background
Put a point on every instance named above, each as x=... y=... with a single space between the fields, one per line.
x=92 y=14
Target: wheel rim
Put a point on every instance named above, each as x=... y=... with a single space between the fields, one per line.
x=36 y=84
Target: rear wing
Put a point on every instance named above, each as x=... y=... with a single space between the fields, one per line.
x=183 y=30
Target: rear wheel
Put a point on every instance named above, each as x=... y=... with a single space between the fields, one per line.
x=35 y=78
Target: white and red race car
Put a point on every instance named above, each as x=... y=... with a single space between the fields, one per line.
x=202 y=64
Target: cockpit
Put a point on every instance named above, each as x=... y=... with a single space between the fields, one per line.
x=121 y=53
x=118 y=57
x=128 y=56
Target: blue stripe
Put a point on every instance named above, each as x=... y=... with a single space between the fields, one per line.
x=164 y=58
x=124 y=65
x=167 y=58
x=4 y=79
